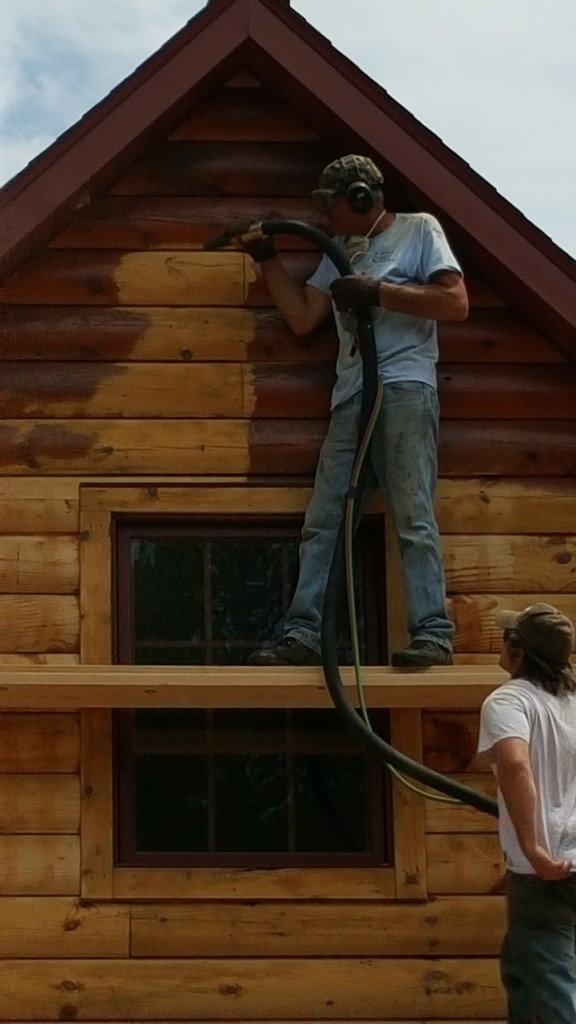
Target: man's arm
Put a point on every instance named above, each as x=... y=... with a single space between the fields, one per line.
x=303 y=307
x=516 y=783
x=444 y=298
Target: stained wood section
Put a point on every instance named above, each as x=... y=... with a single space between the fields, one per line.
x=133 y=446
x=39 y=804
x=132 y=278
x=494 y=336
x=39 y=743
x=158 y=334
x=122 y=390
x=258 y=169
x=39 y=622
x=34 y=927
x=176 y=222
x=298 y=990
x=85 y=389
x=39 y=864
x=442 y=927
x=212 y=686
x=239 y=115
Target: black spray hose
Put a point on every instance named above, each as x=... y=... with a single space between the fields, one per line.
x=334 y=586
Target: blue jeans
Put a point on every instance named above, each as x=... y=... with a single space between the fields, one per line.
x=403 y=464
x=537 y=957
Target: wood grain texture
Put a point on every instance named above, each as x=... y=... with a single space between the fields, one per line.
x=39 y=743
x=131 y=278
x=39 y=865
x=471 y=864
x=473 y=615
x=446 y=926
x=127 y=390
x=158 y=333
x=212 y=686
x=287 y=884
x=209 y=169
x=240 y=115
x=38 y=565
x=495 y=563
x=35 y=926
x=39 y=804
x=46 y=623
x=33 y=506
x=177 y=222
x=244 y=988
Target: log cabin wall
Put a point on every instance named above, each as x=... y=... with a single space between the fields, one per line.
x=130 y=356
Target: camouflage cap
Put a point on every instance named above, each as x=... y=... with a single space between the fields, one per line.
x=546 y=631
x=346 y=170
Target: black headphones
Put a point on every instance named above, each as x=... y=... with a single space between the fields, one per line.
x=360 y=197
x=358 y=194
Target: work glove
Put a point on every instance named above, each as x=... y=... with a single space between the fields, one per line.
x=248 y=238
x=355 y=291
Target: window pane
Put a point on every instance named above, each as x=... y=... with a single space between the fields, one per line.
x=252 y=582
x=251 y=798
x=171 y=803
x=168 y=589
x=330 y=802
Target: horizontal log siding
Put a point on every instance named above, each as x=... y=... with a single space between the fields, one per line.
x=129 y=355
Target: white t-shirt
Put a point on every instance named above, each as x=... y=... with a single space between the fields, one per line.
x=410 y=251
x=523 y=710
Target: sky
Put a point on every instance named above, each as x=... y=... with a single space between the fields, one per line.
x=495 y=79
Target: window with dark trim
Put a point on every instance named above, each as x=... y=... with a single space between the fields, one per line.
x=270 y=787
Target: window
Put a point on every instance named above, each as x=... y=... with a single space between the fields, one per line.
x=248 y=787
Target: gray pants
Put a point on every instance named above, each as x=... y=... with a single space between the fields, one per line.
x=537 y=957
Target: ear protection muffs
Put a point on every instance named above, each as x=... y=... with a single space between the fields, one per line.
x=360 y=197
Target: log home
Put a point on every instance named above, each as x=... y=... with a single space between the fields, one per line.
x=183 y=838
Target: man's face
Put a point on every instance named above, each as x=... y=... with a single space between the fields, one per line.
x=339 y=218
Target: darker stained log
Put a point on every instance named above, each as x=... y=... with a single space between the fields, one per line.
x=240 y=115
x=87 y=277
x=292 y=391
x=175 y=222
x=227 y=169
x=283 y=391
x=496 y=392
x=507 y=448
x=518 y=391
x=495 y=335
x=473 y=448
x=449 y=742
x=55 y=277
x=162 y=333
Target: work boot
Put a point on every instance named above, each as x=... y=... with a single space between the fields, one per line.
x=288 y=651
x=422 y=654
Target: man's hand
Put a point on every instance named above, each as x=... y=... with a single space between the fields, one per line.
x=355 y=291
x=248 y=238
x=548 y=869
